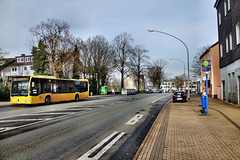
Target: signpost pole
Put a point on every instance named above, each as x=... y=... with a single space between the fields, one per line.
x=207 y=93
x=206 y=67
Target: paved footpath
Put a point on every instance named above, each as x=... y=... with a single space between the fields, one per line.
x=181 y=131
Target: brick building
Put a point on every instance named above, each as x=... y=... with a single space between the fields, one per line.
x=214 y=86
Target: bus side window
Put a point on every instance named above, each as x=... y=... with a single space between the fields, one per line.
x=54 y=88
x=46 y=85
x=35 y=88
x=71 y=87
x=81 y=86
x=77 y=86
x=59 y=86
x=85 y=86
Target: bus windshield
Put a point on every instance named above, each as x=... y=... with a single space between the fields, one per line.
x=20 y=88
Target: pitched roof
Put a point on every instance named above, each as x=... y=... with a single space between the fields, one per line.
x=216 y=3
x=5 y=62
x=208 y=50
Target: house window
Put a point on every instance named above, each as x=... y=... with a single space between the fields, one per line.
x=31 y=59
x=14 y=69
x=219 y=19
x=225 y=8
x=221 y=50
x=27 y=59
x=228 y=5
x=25 y=68
x=230 y=41
x=227 y=46
x=31 y=67
x=238 y=33
x=19 y=60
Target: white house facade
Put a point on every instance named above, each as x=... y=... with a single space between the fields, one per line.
x=20 y=66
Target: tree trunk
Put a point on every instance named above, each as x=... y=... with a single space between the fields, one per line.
x=122 y=79
x=138 y=83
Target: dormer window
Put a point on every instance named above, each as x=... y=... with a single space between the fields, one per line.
x=20 y=59
x=27 y=59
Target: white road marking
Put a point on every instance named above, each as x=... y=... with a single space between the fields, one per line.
x=134 y=120
x=21 y=120
x=35 y=120
x=159 y=99
x=86 y=156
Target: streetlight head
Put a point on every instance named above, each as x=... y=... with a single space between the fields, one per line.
x=150 y=30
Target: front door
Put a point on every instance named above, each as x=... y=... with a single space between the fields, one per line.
x=223 y=90
x=238 y=90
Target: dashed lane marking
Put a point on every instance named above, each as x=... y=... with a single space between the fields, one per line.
x=134 y=120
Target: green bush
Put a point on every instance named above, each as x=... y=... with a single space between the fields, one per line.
x=4 y=93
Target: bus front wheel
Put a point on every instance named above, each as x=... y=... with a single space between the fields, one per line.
x=48 y=100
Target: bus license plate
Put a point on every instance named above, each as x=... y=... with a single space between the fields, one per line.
x=18 y=102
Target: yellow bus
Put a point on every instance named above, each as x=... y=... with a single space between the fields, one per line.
x=47 y=89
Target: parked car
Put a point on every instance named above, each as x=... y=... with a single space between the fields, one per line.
x=159 y=91
x=150 y=91
x=179 y=96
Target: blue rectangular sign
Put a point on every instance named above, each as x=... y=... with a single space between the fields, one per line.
x=206 y=65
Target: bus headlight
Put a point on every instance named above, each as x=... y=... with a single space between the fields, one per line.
x=11 y=100
x=27 y=100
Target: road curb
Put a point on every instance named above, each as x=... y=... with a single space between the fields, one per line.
x=146 y=148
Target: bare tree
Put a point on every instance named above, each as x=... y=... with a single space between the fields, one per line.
x=179 y=81
x=138 y=61
x=196 y=64
x=86 y=60
x=114 y=83
x=55 y=36
x=156 y=72
x=3 y=53
x=101 y=53
x=122 y=47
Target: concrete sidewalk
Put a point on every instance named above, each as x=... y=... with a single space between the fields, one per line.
x=5 y=104
x=181 y=131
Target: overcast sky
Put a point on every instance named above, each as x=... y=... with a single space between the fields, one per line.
x=193 y=21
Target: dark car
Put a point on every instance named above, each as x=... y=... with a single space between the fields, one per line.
x=159 y=91
x=179 y=96
x=150 y=91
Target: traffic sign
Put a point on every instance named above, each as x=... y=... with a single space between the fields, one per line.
x=206 y=65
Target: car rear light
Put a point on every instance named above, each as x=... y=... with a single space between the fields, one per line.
x=174 y=95
x=184 y=95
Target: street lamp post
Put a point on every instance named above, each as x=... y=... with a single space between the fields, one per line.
x=183 y=65
x=150 y=30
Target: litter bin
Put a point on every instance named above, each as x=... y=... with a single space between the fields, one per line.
x=204 y=100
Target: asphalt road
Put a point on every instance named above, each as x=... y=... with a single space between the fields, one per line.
x=98 y=128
